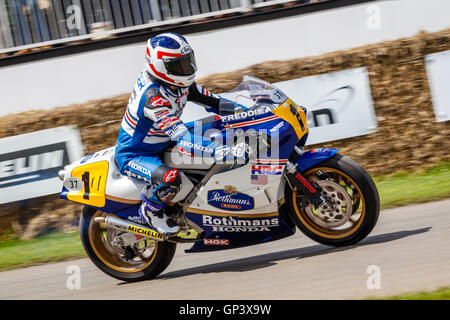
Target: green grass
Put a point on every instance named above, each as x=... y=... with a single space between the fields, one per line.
x=49 y=248
x=409 y=188
x=439 y=294
x=395 y=190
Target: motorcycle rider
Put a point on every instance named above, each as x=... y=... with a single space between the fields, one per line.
x=152 y=122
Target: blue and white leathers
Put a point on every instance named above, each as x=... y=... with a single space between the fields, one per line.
x=151 y=122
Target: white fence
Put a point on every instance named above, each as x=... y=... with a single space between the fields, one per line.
x=32 y=23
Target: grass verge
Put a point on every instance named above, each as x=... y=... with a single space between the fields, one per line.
x=395 y=190
x=439 y=294
x=409 y=188
x=49 y=248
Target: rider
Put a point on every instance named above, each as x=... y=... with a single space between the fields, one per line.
x=152 y=122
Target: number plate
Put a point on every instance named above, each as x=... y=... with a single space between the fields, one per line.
x=294 y=115
x=93 y=179
x=73 y=184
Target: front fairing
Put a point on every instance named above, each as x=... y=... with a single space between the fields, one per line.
x=264 y=111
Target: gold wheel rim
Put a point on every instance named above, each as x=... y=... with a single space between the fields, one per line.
x=326 y=232
x=108 y=256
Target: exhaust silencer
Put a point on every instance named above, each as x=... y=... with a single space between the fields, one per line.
x=129 y=226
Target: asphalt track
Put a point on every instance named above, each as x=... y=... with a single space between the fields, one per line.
x=409 y=250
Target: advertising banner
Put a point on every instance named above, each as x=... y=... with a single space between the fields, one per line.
x=29 y=163
x=339 y=104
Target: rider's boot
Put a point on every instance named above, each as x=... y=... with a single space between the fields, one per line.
x=153 y=214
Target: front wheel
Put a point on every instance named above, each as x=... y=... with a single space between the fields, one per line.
x=355 y=199
x=142 y=261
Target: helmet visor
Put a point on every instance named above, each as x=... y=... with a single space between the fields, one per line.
x=181 y=66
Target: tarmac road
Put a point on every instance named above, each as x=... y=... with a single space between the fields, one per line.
x=409 y=250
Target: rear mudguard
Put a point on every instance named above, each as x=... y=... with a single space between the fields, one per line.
x=312 y=157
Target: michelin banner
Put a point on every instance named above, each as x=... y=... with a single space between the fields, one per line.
x=339 y=104
x=29 y=163
x=438 y=70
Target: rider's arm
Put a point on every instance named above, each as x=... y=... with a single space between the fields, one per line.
x=202 y=96
x=159 y=110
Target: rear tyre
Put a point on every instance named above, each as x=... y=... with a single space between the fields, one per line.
x=150 y=257
x=354 y=195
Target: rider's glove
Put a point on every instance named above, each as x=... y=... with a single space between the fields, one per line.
x=226 y=107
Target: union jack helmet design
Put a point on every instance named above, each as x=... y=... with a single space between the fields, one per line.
x=170 y=58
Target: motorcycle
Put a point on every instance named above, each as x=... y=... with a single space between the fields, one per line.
x=226 y=204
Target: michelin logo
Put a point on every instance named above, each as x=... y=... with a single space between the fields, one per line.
x=230 y=224
x=33 y=164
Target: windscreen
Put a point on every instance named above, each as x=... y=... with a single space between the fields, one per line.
x=253 y=92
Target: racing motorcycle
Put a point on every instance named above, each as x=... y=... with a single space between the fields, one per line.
x=226 y=204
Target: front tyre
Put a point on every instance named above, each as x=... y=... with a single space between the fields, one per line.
x=356 y=204
x=142 y=261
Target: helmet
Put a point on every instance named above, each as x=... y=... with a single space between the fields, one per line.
x=170 y=59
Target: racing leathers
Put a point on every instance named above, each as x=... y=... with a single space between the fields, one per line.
x=150 y=124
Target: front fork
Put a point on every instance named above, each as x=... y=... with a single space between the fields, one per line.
x=298 y=182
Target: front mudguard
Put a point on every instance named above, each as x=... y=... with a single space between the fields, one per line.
x=312 y=157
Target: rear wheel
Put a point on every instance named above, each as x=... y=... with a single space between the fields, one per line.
x=355 y=200
x=141 y=261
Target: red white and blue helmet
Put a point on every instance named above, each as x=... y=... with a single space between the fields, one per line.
x=170 y=59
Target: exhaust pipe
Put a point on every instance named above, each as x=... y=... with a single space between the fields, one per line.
x=129 y=226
